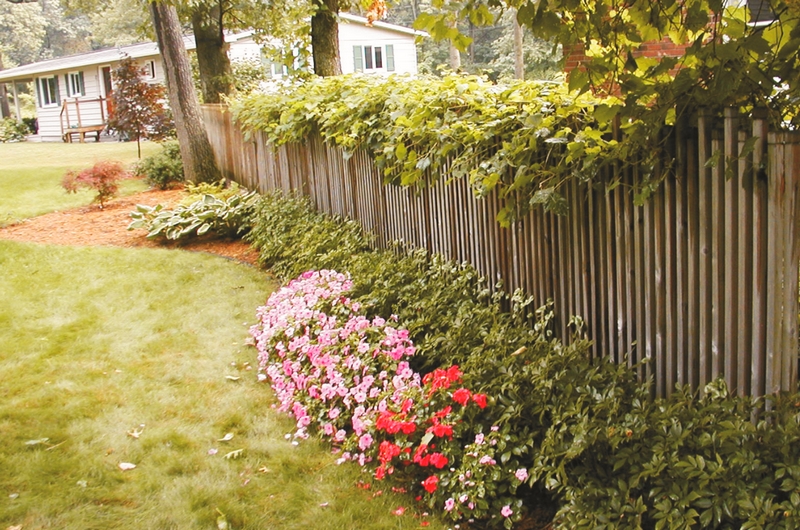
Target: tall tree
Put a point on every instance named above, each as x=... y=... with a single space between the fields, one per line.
x=212 y=51
x=519 y=59
x=325 y=38
x=198 y=159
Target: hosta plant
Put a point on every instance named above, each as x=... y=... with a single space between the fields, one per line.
x=226 y=218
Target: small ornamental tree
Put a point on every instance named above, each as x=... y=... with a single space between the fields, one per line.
x=103 y=177
x=139 y=109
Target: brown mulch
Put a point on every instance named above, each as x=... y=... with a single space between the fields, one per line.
x=108 y=227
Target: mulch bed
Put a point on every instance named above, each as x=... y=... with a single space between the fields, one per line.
x=108 y=227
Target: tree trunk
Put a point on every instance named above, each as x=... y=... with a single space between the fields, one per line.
x=212 y=56
x=455 y=55
x=325 y=38
x=199 y=164
x=5 y=111
x=519 y=57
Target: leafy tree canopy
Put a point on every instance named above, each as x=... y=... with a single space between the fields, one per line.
x=729 y=58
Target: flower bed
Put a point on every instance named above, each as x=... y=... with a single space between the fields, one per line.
x=347 y=378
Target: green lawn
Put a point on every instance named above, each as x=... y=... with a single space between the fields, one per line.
x=112 y=356
x=98 y=343
x=30 y=174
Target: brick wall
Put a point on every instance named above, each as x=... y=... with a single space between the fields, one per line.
x=575 y=55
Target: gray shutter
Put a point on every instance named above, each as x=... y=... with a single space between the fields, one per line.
x=358 y=58
x=66 y=84
x=39 y=91
x=58 y=92
x=82 y=86
x=390 y=57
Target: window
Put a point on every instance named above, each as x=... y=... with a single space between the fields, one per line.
x=372 y=58
x=75 y=85
x=47 y=89
x=150 y=69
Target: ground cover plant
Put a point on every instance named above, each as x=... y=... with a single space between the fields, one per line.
x=31 y=173
x=579 y=434
x=112 y=357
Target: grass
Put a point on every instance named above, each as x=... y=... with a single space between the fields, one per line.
x=30 y=174
x=98 y=343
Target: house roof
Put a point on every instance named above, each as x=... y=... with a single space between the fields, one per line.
x=383 y=25
x=148 y=49
x=98 y=57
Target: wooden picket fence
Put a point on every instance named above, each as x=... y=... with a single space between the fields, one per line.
x=702 y=279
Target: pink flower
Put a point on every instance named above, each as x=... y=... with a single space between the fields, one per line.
x=521 y=474
x=365 y=441
x=449 y=504
x=506 y=511
x=487 y=460
x=479 y=438
x=399 y=511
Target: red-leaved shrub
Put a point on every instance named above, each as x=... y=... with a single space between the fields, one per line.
x=103 y=177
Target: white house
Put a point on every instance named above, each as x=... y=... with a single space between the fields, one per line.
x=380 y=48
x=72 y=92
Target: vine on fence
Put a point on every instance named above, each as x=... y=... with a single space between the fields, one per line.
x=524 y=140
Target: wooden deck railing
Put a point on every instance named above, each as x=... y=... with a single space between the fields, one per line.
x=702 y=280
x=73 y=123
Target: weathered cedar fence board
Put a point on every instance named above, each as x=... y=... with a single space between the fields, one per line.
x=702 y=279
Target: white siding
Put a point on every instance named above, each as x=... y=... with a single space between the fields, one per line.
x=354 y=34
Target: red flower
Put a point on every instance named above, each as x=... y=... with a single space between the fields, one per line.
x=407 y=404
x=387 y=451
x=441 y=430
x=453 y=373
x=438 y=460
x=444 y=412
x=408 y=427
x=480 y=399
x=380 y=473
x=461 y=396
x=430 y=483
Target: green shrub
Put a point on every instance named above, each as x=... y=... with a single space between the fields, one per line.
x=225 y=218
x=292 y=238
x=163 y=169
x=13 y=131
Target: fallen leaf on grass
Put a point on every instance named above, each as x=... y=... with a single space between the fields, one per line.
x=135 y=433
x=37 y=442
x=226 y=438
x=15 y=527
x=234 y=454
x=264 y=469
x=125 y=466
x=232 y=377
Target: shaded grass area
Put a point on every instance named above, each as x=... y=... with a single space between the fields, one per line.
x=31 y=173
x=97 y=343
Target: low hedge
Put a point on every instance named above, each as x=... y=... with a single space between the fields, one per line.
x=585 y=431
